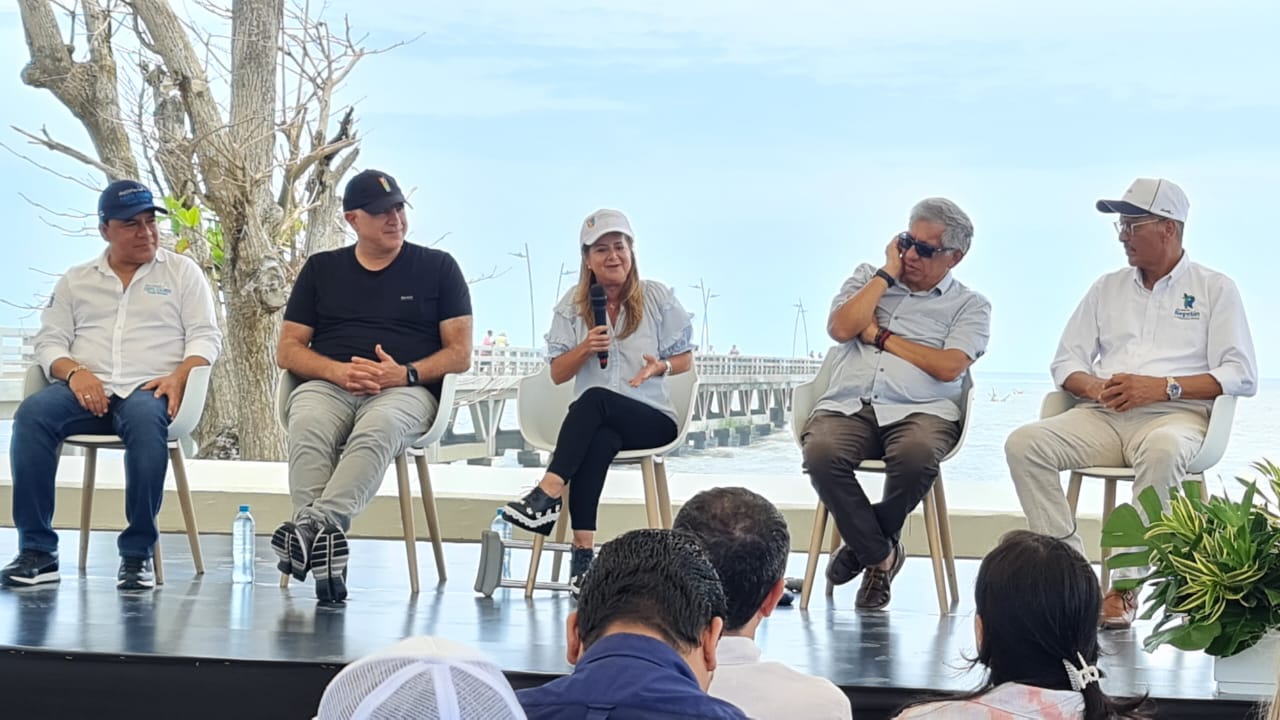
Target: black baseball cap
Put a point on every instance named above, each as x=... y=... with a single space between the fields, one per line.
x=124 y=199
x=372 y=191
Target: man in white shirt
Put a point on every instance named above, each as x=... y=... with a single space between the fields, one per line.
x=1147 y=351
x=117 y=341
x=747 y=540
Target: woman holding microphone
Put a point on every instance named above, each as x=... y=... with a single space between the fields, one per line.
x=621 y=403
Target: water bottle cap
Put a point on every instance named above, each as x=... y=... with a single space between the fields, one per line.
x=244 y=508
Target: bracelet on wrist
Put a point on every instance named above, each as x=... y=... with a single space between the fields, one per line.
x=882 y=337
x=74 y=370
x=888 y=279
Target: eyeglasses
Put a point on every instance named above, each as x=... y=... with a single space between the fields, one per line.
x=1123 y=227
x=924 y=250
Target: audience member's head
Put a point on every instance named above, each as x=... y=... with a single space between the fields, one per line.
x=1037 y=608
x=420 y=678
x=747 y=540
x=658 y=583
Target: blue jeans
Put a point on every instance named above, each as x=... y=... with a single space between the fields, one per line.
x=40 y=425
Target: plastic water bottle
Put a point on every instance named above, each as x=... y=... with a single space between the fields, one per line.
x=503 y=528
x=242 y=547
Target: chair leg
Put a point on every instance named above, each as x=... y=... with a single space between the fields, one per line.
x=944 y=532
x=433 y=516
x=664 y=496
x=284 y=580
x=835 y=545
x=1108 y=504
x=931 y=532
x=86 y=501
x=562 y=527
x=406 y=521
x=535 y=558
x=188 y=508
x=650 y=491
x=157 y=562
x=1073 y=492
x=815 y=549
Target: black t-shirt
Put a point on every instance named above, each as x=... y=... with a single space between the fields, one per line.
x=352 y=309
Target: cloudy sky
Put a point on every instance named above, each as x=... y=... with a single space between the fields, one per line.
x=766 y=149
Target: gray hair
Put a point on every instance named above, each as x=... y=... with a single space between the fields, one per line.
x=957 y=227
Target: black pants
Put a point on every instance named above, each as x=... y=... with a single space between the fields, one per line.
x=835 y=443
x=599 y=425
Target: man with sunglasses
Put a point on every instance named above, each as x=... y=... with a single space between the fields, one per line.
x=908 y=332
x=1146 y=352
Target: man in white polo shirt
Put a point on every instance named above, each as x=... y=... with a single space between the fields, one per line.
x=117 y=341
x=1147 y=351
x=747 y=540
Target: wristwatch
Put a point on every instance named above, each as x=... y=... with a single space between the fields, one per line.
x=413 y=375
x=1173 y=389
x=668 y=364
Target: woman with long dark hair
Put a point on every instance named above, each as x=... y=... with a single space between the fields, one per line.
x=1037 y=633
x=622 y=406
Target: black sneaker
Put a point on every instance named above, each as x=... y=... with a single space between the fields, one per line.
x=535 y=512
x=31 y=567
x=579 y=564
x=843 y=565
x=135 y=574
x=292 y=543
x=329 y=564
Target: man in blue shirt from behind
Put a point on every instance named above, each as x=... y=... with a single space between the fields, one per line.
x=643 y=640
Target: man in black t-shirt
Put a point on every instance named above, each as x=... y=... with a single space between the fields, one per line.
x=369 y=332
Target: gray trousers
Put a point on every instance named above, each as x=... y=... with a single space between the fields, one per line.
x=1158 y=441
x=341 y=444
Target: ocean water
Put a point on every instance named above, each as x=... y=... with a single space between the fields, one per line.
x=1003 y=401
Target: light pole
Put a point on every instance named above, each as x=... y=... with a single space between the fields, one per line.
x=800 y=323
x=563 y=272
x=533 y=328
x=702 y=288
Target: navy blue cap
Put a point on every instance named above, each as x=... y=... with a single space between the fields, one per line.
x=125 y=198
x=372 y=191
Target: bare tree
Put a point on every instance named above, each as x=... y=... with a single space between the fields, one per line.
x=241 y=129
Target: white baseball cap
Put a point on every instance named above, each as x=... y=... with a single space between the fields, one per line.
x=1150 y=196
x=424 y=678
x=601 y=223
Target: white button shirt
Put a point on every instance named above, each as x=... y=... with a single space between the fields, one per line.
x=127 y=337
x=1190 y=322
x=772 y=690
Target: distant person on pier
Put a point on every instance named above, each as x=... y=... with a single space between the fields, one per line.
x=1036 y=602
x=643 y=639
x=501 y=340
x=735 y=351
x=118 y=339
x=370 y=329
x=747 y=540
x=908 y=332
x=1146 y=351
x=488 y=339
x=622 y=406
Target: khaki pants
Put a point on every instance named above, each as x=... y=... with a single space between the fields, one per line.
x=341 y=444
x=1158 y=441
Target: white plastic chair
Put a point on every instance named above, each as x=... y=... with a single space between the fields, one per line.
x=542 y=406
x=1215 y=444
x=444 y=411
x=937 y=523
x=180 y=429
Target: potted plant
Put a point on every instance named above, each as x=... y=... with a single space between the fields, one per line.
x=1214 y=571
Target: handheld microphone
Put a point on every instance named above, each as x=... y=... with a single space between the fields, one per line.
x=596 y=294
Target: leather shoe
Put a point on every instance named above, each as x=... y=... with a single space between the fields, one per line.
x=874 y=593
x=1118 y=609
x=843 y=565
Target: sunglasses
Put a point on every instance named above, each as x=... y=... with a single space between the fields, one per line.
x=924 y=250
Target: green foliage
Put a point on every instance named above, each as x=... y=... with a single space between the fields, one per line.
x=1215 y=564
x=188 y=223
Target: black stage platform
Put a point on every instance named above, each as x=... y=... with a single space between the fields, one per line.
x=201 y=647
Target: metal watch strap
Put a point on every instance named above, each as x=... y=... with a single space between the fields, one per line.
x=668 y=364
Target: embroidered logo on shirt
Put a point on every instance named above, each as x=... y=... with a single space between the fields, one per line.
x=156 y=289
x=1187 y=311
x=406 y=297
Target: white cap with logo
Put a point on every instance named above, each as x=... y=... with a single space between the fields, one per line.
x=601 y=223
x=1150 y=196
